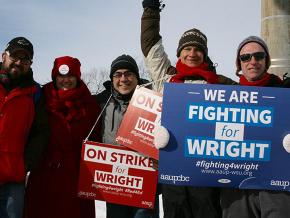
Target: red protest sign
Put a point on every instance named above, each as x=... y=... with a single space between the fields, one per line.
x=117 y=175
x=136 y=129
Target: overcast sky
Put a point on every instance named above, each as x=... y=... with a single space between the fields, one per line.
x=97 y=31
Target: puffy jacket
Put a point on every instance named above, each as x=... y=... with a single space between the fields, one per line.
x=16 y=116
x=37 y=140
x=112 y=115
x=52 y=186
x=178 y=201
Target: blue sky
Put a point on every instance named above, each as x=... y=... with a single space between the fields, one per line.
x=97 y=31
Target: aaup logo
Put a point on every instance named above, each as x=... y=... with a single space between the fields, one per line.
x=172 y=178
x=280 y=183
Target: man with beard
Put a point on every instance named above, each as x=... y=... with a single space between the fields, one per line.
x=21 y=120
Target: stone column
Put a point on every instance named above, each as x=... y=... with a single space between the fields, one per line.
x=275 y=30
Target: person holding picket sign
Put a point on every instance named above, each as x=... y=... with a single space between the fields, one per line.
x=193 y=66
x=52 y=189
x=252 y=62
x=124 y=75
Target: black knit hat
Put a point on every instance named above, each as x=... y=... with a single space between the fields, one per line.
x=248 y=40
x=193 y=37
x=20 y=43
x=124 y=62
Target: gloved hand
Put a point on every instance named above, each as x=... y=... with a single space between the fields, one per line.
x=161 y=137
x=154 y=4
x=286 y=81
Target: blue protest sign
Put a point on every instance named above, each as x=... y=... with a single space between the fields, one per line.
x=226 y=136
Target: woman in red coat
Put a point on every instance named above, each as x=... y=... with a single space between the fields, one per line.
x=52 y=187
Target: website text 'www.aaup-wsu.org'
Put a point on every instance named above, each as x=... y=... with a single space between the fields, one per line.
x=212 y=167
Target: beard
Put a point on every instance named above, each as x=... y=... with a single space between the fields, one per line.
x=19 y=78
x=14 y=71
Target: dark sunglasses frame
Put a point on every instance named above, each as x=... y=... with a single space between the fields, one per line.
x=257 y=55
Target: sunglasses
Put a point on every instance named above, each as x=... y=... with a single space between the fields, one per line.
x=257 y=55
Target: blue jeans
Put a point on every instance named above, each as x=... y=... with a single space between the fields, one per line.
x=11 y=200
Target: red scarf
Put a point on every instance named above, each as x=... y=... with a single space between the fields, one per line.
x=68 y=104
x=262 y=82
x=185 y=71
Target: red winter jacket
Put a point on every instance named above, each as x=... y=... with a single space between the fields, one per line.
x=52 y=189
x=16 y=116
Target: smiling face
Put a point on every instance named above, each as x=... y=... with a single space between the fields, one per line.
x=16 y=64
x=124 y=81
x=65 y=82
x=191 y=56
x=253 y=69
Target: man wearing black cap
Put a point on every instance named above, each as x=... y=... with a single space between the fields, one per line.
x=124 y=75
x=17 y=59
x=20 y=148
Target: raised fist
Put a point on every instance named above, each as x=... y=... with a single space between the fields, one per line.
x=154 y=4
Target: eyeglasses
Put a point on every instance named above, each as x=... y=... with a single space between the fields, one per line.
x=23 y=60
x=120 y=74
x=257 y=55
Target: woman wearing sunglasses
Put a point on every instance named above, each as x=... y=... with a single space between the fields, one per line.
x=253 y=61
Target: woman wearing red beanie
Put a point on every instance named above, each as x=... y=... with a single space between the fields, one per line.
x=52 y=189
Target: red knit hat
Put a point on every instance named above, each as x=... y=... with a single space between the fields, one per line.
x=66 y=65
